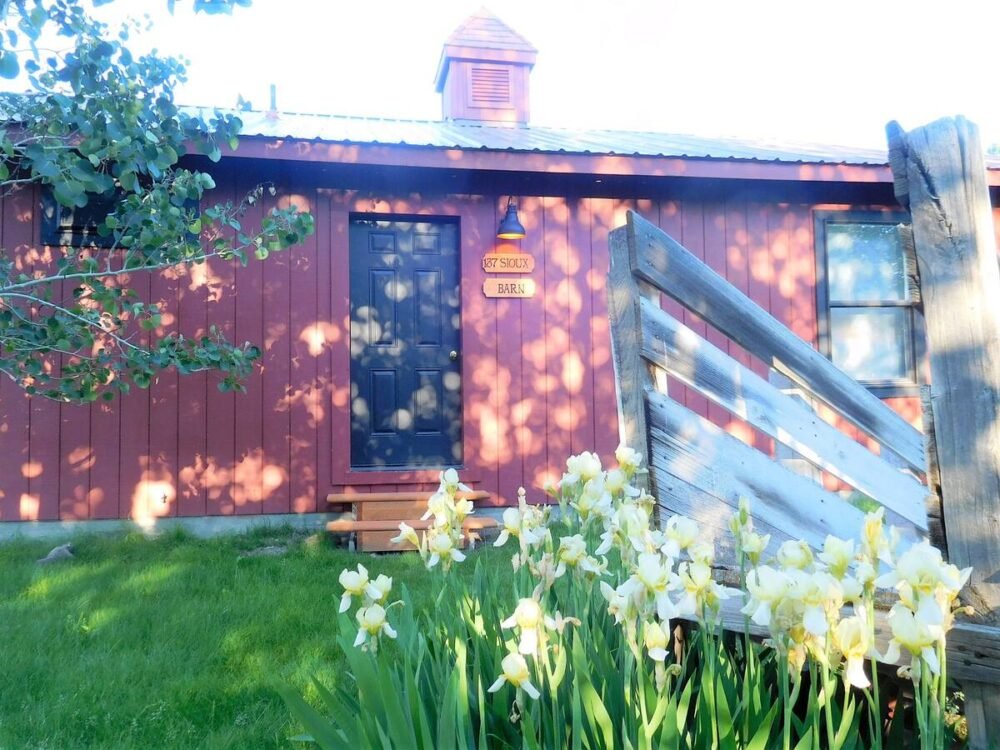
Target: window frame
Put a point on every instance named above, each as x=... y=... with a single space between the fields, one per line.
x=56 y=231
x=915 y=350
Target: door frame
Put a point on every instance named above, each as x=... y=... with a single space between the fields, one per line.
x=340 y=448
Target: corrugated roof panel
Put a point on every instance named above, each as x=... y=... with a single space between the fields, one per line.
x=441 y=134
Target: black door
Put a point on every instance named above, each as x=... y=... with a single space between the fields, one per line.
x=406 y=403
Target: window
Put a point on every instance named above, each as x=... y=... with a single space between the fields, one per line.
x=868 y=323
x=76 y=227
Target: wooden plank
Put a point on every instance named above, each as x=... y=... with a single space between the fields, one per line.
x=397 y=511
x=43 y=463
x=669 y=344
x=671 y=221
x=760 y=277
x=939 y=170
x=248 y=470
x=534 y=361
x=714 y=236
x=15 y=406
x=395 y=497
x=693 y=235
x=220 y=408
x=135 y=500
x=632 y=377
x=676 y=496
x=935 y=512
x=510 y=361
x=311 y=336
x=578 y=374
x=704 y=455
x=479 y=427
x=664 y=263
x=75 y=450
x=557 y=323
x=606 y=432
x=192 y=424
x=105 y=435
x=163 y=405
x=76 y=457
x=343 y=526
x=276 y=303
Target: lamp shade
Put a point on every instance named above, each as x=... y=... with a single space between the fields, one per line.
x=511 y=227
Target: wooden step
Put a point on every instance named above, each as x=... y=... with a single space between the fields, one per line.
x=397 y=497
x=346 y=526
x=375 y=536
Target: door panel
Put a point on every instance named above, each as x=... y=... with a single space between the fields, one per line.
x=406 y=407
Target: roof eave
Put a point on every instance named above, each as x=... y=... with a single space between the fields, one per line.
x=481 y=159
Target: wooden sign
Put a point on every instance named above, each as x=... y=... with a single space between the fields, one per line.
x=518 y=288
x=508 y=263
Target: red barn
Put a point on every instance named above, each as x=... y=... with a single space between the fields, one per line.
x=404 y=336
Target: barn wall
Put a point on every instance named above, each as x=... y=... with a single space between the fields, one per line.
x=537 y=373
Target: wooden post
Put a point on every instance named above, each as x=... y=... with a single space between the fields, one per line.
x=632 y=377
x=939 y=173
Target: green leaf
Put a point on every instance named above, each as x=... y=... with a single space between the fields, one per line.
x=9 y=66
x=577 y=710
x=848 y=723
x=763 y=732
x=806 y=741
x=599 y=721
x=315 y=723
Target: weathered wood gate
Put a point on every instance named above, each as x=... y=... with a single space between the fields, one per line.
x=699 y=470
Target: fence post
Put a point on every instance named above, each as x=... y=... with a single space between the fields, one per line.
x=939 y=173
x=632 y=376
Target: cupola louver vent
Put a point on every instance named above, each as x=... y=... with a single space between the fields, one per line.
x=489 y=87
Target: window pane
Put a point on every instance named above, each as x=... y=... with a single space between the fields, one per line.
x=865 y=263
x=870 y=343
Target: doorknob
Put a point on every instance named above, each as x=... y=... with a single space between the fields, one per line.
x=453 y=355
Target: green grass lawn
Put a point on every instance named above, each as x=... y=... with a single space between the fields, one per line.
x=171 y=642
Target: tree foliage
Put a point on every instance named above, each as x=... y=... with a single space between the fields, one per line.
x=99 y=123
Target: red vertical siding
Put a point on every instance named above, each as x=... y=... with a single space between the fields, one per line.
x=275 y=345
x=510 y=414
x=603 y=219
x=760 y=277
x=15 y=407
x=308 y=337
x=555 y=295
x=192 y=420
x=577 y=376
x=479 y=345
x=220 y=408
x=248 y=474
x=534 y=352
x=163 y=403
x=538 y=381
x=669 y=220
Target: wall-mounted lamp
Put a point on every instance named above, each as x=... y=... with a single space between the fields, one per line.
x=511 y=227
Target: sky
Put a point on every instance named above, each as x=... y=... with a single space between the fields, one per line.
x=783 y=70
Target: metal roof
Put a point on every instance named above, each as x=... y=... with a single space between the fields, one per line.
x=472 y=136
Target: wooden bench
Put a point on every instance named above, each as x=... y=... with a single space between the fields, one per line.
x=377 y=515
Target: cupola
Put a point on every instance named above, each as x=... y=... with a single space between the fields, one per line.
x=483 y=73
